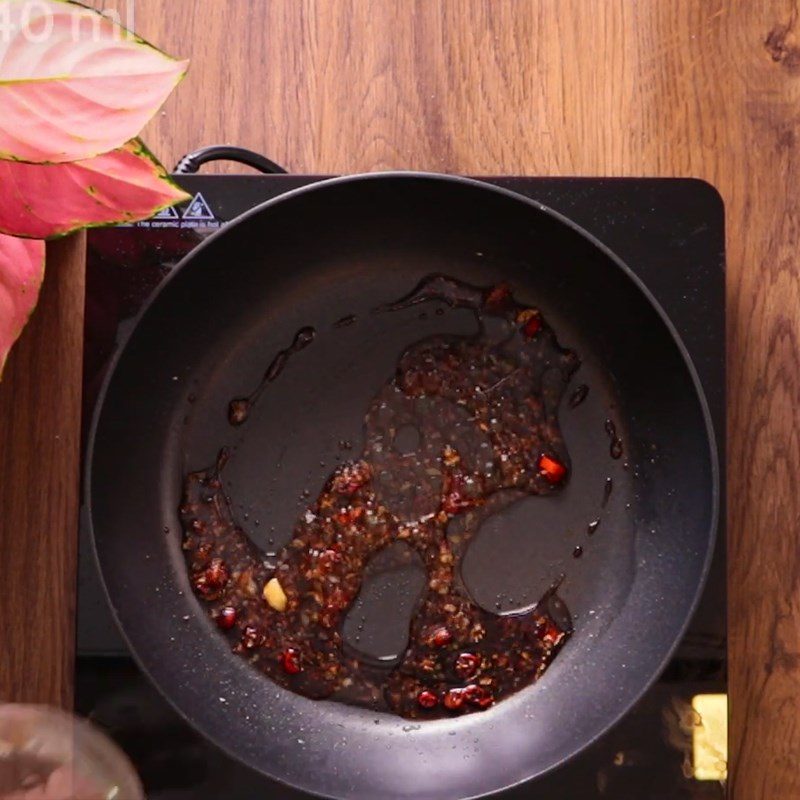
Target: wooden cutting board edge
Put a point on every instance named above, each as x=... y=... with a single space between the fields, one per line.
x=40 y=440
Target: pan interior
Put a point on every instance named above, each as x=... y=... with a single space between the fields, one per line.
x=311 y=419
x=342 y=249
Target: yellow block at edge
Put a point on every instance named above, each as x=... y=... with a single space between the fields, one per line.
x=710 y=737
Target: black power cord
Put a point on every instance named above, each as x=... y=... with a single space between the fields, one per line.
x=192 y=162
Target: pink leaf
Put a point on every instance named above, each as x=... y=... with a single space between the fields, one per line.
x=21 y=274
x=45 y=200
x=73 y=83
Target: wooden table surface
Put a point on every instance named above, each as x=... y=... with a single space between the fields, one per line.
x=544 y=87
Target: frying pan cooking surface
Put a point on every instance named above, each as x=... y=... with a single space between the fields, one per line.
x=344 y=247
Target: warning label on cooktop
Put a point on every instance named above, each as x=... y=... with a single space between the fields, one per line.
x=198 y=213
x=198 y=209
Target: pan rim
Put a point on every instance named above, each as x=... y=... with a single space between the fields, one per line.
x=476 y=183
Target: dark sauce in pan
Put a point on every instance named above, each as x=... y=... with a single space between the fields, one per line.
x=608 y=488
x=578 y=396
x=486 y=435
x=615 y=446
x=345 y=322
x=240 y=408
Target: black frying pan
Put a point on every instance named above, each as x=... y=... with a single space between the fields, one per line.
x=343 y=247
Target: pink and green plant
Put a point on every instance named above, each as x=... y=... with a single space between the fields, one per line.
x=75 y=91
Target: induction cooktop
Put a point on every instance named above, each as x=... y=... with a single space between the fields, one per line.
x=671 y=233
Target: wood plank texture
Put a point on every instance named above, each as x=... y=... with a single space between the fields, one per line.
x=40 y=418
x=552 y=87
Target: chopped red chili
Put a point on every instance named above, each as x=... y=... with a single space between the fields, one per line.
x=427 y=699
x=290 y=661
x=552 y=470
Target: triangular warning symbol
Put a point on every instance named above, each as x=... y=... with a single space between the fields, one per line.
x=198 y=209
x=168 y=213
